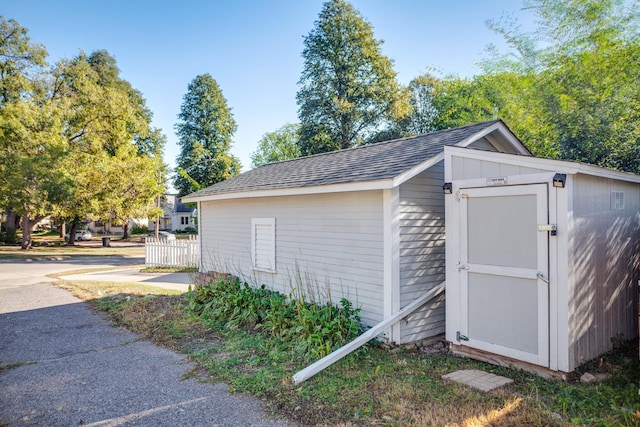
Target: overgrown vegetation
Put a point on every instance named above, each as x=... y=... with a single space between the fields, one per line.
x=313 y=330
x=376 y=385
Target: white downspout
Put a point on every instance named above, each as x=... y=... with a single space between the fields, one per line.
x=330 y=359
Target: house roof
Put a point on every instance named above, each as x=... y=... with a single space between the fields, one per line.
x=181 y=207
x=366 y=163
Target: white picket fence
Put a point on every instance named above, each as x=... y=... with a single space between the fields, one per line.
x=171 y=253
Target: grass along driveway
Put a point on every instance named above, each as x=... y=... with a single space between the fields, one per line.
x=91 y=248
x=376 y=385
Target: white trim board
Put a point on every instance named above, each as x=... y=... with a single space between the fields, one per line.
x=554 y=165
x=297 y=191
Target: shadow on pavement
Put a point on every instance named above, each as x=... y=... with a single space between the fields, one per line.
x=87 y=372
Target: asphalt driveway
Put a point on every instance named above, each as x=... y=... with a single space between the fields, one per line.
x=64 y=365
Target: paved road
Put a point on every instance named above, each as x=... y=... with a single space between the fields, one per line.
x=85 y=372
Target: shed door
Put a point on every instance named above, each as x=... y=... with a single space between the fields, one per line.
x=504 y=270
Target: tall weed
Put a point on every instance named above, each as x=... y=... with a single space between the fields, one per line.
x=314 y=330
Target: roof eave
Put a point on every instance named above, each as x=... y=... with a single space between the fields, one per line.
x=379 y=184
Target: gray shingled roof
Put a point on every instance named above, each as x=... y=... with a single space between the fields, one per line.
x=383 y=160
x=181 y=207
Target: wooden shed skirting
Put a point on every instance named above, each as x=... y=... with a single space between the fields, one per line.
x=508 y=362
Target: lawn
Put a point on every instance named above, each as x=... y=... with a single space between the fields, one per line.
x=377 y=385
x=53 y=246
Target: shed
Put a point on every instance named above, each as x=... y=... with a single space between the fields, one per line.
x=541 y=258
x=365 y=224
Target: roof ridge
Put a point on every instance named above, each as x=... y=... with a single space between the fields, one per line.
x=381 y=142
x=372 y=162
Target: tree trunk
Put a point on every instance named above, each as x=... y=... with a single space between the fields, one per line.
x=72 y=234
x=26 y=224
x=63 y=226
x=11 y=220
x=11 y=226
x=125 y=230
x=26 y=232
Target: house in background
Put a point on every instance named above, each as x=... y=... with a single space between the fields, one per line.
x=176 y=215
x=100 y=227
x=368 y=224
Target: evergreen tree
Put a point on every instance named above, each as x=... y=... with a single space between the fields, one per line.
x=348 y=89
x=205 y=130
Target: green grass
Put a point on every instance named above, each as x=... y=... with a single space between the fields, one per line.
x=375 y=385
x=11 y=365
x=14 y=252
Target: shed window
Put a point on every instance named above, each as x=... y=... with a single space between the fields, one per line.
x=263 y=244
x=617 y=200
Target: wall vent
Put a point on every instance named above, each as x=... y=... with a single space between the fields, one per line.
x=617 y=200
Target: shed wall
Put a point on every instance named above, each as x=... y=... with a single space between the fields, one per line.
x=604 y=244
x=422 y=251
x=325 y=244
x=466 y=168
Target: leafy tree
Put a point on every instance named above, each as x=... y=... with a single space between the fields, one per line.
x=575 y=94
x=281 y=144
x=423 y=113
x=132 y=194
x=35 y=152
x=205 y=130
x=68 y=139
x=20 y=61
x=422 y=116
x=348 y=88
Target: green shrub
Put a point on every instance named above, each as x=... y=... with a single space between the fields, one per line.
x=190 y=230
x=9 y=237
x=139 y=229
x=314 y=330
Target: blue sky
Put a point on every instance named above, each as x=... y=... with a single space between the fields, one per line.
x=251 y=47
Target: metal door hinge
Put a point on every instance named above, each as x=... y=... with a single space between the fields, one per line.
x=461 y=267
x=541 y=277
x=460 y=337
x=460 y=195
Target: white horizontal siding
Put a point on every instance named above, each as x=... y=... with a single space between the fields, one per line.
x=465 y=168
x=422 y=251
x=325 y=244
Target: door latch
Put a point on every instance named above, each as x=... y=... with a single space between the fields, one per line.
x=460 y=337
x=551 y=228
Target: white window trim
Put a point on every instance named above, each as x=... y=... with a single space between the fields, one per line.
x=272 y=259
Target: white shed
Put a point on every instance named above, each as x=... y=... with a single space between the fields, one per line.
x=366 y=224
x=541 y=258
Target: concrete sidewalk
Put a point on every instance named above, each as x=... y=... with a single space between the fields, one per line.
x=177 y=281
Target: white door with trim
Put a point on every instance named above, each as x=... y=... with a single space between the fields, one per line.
x=504 y=269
